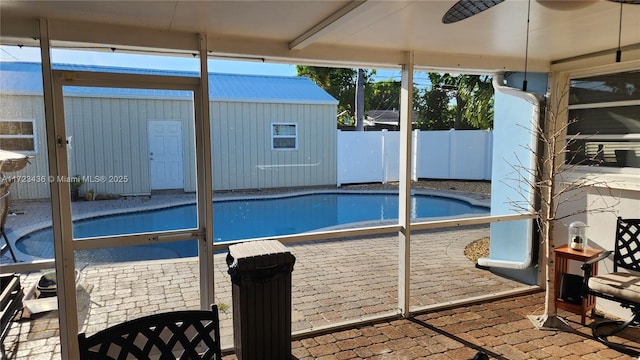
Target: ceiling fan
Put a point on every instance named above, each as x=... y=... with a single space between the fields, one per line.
x=466 y=8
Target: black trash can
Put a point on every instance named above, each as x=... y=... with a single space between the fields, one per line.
x=261 y=291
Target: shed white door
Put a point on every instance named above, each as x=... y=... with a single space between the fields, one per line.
x=165 y=154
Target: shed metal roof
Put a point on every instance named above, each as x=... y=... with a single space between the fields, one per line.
x=25 y=78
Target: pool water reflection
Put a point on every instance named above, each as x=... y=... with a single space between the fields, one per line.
x=243 y=219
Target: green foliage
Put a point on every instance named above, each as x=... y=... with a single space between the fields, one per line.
x=339 y=83
x=434 y=110
x=479 y=109
x=473 y=95
x=385 y=95
x=382 y=95
x=76 y=182
x=454 y=101
x=345 y=119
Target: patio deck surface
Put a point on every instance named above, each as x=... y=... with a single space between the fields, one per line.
x=336 y=281
x=499 y=328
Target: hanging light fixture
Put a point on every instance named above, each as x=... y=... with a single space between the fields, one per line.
x=526 y=52
x=622 y=2
x=619 y=51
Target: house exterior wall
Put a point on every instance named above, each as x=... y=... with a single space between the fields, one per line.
x=617 y=191
x=242 y=153
x=109 y=138
x=114 y=133
x=598 y=206
x=31 y=182
x=513 y=169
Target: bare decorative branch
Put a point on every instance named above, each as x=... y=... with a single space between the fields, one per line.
x=554 y=181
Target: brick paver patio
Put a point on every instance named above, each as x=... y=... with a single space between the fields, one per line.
x=335 y=281
x=500 y=329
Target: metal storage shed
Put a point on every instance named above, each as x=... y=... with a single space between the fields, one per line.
x=245 y=112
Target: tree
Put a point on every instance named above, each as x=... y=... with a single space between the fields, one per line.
x=338 y=82
x=473 y=94
x=474 y=98
x=477 y=90
x=383 y=95
x=550 y=170
x=434 y=110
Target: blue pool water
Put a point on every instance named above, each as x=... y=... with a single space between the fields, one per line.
x=235 y=219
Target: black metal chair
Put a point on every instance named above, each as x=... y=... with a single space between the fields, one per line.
x=186 y=335
x=619 y=286
x=10 y=305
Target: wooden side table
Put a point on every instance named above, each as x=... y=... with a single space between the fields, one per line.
x=563 y=254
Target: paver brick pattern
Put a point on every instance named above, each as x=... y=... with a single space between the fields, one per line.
x=419 y=337
x=334 y=281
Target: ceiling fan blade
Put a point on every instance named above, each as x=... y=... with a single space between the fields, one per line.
x=467 y=8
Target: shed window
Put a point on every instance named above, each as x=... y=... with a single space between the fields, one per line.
x=18 y=135
x=604 y=111
x=284 y=136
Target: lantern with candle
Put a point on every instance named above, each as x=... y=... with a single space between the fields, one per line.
x=578 y=235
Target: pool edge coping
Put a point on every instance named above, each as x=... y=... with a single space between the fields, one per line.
x=456 y=195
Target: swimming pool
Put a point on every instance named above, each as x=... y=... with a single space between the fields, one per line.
x=243 y=219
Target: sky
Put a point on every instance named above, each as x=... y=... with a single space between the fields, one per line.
x=102 y=58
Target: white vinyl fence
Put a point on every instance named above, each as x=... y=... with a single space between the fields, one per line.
x=372 y=156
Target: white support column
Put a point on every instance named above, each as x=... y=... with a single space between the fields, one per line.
x=415 y=136
x=404 y=193
x=60 y=203
x=383 y=156
x=204 y=178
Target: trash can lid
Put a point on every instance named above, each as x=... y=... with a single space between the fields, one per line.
x=259 y=253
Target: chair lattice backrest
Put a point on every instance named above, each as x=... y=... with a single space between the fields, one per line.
x=189 y=334
x=627 y=250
